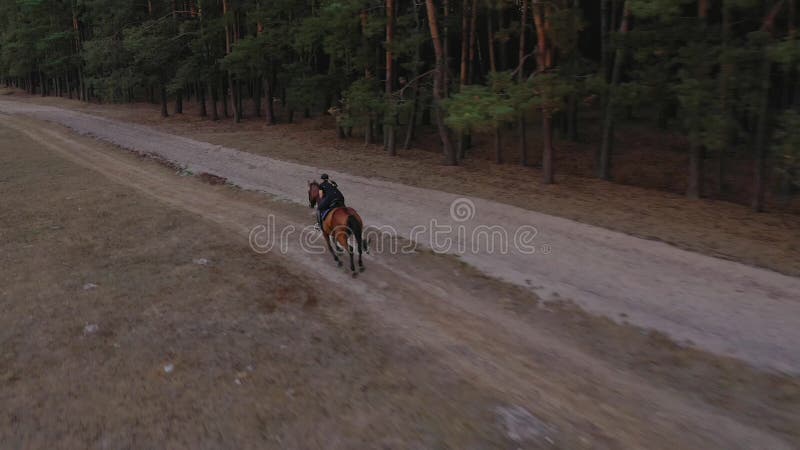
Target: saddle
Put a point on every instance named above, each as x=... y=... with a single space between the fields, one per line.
x=334 y=204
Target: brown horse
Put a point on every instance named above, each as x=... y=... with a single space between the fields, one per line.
x=340 y=223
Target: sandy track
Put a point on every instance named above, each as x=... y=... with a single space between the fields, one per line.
x=425 y=298
x=722 y=306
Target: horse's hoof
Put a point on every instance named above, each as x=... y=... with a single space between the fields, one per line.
x=355 y=274
x=338 y=264
x=361 y=269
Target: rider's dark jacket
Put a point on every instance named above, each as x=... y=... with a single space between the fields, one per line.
x=331 y=196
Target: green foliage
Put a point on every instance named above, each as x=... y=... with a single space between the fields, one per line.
x=657 y=9
x=247 y=58
x=696 y=88
x=550 y=91
x=335 y=30
x=106 y=65
x=786 y=53
x=695 y=97
x=306 y=91
x=483 y=108
x=361 y=102
x=474 y=108
x=786 y=147
x=322 y=52
x=566 y=25
x=153 y=47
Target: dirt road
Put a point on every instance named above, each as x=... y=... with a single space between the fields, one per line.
x=125 y=323
x=720 y=306
x=526 y=373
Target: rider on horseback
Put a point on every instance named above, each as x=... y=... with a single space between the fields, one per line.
x=330 y=198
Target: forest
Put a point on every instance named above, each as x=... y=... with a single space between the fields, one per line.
x=721 y=73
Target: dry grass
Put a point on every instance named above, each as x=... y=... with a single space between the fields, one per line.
x=259 y=359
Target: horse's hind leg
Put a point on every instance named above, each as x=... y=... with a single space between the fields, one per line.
x=330 y=249
x=360 y=250
x=352 y=265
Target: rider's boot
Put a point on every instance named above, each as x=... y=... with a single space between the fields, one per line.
x=318 y=223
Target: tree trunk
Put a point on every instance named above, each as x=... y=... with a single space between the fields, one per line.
x=759 y=161
x=77 y=36
x=446 y=48
x=427 y=107
x=490 y=40
x=224 y=98
x=239 y=96
x=391 y=137
x=464 y=42
x=523 y=141
x=604 y=159
x=231 y=90
x=498 y=149
x=389 y=129
x=505 y=63
x=178 y=103
x=724 y=76
x=257 y=97
x=604 y=38
x=791 y=78
x=762 y=135
x=694 y=188
x=412 y=120
x=544 y=62
x=548 y=176
x=201 y=98
x=466 y=48
x=438 y=81
x=81 y=86
x=269 y=112
x=572 y=118
x=214 y=98
x=164 y=112
x=364 y=39
x=702 y=9
x=614 y=8
x=695 y=185
x=472 y=39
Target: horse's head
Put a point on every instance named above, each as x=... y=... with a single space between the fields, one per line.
x=313 y=193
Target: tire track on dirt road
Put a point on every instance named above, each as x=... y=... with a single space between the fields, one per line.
x=422 y=297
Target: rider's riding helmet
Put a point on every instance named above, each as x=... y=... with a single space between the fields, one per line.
x=324 y=176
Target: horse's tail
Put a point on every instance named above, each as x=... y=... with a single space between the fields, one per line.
x=354 y=227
